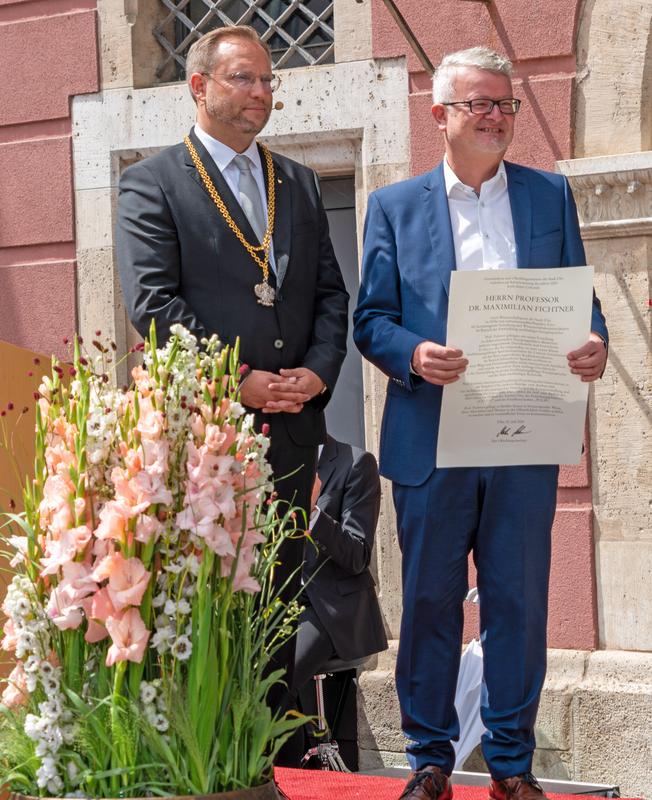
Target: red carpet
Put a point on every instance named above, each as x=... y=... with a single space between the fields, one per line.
x=315 y=785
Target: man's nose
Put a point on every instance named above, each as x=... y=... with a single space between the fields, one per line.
x=495 y=113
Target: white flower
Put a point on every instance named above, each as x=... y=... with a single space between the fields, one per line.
x=236 y=410
x=159 y=600
x=182 y=648
x=32 y=664
x=161 y=639
x=147 y=693
x=170 y=608
x=160 y=723
x=183 y=607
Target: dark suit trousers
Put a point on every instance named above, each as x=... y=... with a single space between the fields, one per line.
x=505 y=516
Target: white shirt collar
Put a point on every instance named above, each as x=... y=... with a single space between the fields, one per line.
x=222 y=154
x=452 y=182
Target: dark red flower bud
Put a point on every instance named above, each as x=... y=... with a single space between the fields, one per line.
x=98 y=333
x=10 y=406
x=243 y=369
x=265 y=428
x=12 y=504
x=72 y=371
x=36 y=395
x=30 y=373
x=83 y=362
x=66 y=340
x=25 y=410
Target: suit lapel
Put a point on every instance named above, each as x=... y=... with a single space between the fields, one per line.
x=233 y=206
x=282 y=238
x=521 y=205
x=327 y=462
x=438 y=218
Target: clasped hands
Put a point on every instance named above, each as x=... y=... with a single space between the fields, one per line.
x=441 y=365
x=288 y=391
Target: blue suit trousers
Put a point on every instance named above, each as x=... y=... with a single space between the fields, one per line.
x=503 y=515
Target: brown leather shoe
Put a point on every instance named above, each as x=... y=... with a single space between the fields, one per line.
x=429 y=783
x=520 y=787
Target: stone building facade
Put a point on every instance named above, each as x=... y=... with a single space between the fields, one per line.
x=81 y=97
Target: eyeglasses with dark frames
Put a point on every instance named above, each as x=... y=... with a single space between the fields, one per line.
x=246 y=81
x=483 y=105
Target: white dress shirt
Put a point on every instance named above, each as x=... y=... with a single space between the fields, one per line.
x=483 y=231
x=223 y=156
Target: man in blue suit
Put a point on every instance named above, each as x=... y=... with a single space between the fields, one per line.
x=474 y=211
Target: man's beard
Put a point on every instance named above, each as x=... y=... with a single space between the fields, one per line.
x=220 y=112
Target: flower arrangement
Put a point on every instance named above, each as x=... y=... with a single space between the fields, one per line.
x=142 y=615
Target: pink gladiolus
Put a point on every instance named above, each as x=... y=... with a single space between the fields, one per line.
x=101 y=606
x=147 y=527
x=245 y=583
x=128 y=580
x=114 y=518
x=95 y=632
x=149 y=489
x=15 y=693
x=150 y=421
x=197 y=426
x=129 y=636
x=155 y=456
x=58 y=458
x=10 y=639
x=141 y=379
x=61 y=551
x=133 y=460
x=216 y=538
x=66 y=602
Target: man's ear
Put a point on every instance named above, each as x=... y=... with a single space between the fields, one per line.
x=198 y=85
x=440 y=113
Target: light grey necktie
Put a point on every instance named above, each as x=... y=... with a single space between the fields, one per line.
x=250 y=196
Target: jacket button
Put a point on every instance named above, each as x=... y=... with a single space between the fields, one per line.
x=278 y=344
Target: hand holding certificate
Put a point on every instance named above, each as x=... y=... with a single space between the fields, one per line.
x=517 y=402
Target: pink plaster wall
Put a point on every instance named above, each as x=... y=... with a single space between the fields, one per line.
x=48 y=54
x=540 y=40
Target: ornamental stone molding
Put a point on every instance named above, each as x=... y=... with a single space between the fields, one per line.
x=613 y=194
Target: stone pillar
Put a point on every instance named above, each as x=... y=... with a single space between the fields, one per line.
x=614 y=198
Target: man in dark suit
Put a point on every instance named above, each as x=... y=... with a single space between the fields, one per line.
x=223 y=237
x=342 y=617
x=474 y=211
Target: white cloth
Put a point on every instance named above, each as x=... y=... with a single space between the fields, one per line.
x=468 y=698
x=483 y=231
x=223 y=156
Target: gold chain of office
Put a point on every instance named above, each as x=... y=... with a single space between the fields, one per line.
x=252 y=249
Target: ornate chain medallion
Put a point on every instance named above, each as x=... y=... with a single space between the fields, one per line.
x=265 y=293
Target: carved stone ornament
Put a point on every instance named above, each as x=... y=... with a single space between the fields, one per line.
x=613 y=194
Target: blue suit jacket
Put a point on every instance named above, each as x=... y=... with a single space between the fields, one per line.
x=407 y=261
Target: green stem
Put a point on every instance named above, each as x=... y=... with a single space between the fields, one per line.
x=117 y=703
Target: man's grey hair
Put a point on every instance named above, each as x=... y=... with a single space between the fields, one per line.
x=479 y=57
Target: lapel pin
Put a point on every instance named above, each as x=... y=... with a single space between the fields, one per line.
x=280 y=180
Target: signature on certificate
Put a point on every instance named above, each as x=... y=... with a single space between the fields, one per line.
x=508 y=431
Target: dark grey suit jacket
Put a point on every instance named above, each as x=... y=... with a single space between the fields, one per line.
x=336 y=573
x=179 y=262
